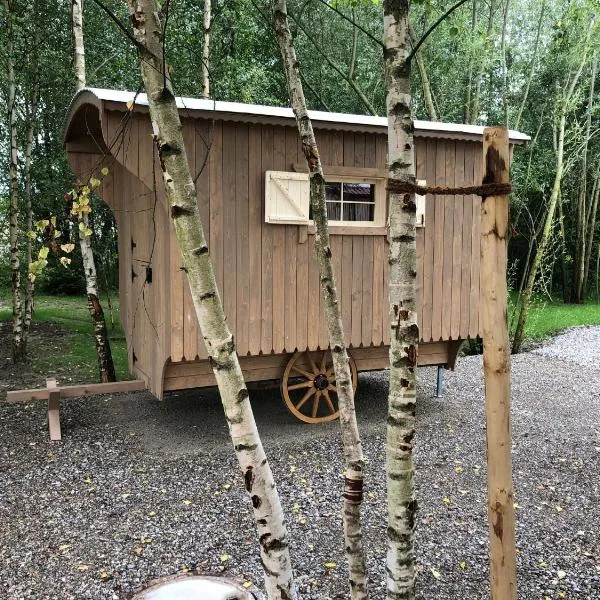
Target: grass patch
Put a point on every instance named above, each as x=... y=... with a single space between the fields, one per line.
x=74 y=353
x=546 y=318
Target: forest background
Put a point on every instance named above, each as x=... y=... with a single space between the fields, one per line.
x=528 y=64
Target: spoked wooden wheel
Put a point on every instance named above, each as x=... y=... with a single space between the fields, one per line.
x=308 y=386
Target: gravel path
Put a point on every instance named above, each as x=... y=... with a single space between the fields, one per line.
x=580 y=345
x=140 y=489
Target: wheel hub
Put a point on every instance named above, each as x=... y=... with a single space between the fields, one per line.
x=321 y=382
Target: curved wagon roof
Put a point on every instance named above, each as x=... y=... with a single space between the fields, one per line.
x=105 y=99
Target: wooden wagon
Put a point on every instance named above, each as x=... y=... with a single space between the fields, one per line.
x=253 y=196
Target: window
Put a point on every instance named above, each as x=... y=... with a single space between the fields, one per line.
x=351 y=201
x=355 y=202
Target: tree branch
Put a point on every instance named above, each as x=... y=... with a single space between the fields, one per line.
x=337 y=69
x=353 y=22
x=432 y=28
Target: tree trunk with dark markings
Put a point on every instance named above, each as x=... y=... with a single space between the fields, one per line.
x=220 y=345
x=404 y=332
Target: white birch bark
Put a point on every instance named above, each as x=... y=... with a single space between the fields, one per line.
x=352 y=445
x=18 y=342
x=181 y=194
x=78 y=46
x=105 y=360
x=206 y=50
x=32 y=115
x=404 y=334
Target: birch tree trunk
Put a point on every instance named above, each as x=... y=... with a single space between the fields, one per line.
x=105 y=360
x=32 y=116
x=353 y=489
x=591 y=226
x=554 y=196
x=404 y=334
x=533 y=64
x=578 y=291
x=206 y=50
x=19 y=346
x=181 y=194
x=78 y=46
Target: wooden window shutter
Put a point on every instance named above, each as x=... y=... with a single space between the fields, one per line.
x=287 y=198
x=420 y=202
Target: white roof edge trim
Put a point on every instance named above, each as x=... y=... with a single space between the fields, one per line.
x=219 y=106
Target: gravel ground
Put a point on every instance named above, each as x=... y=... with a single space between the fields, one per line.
x=139 y=489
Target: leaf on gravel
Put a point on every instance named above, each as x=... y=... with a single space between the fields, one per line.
x=82 y=567
x=138 y=550
x=247 y=584
x=87 y=480
x=558 y=508
x=446 y=500
x=542 y=565
x=330 y=565
x=146 y=540
x=225 y=557
x=64 y=547
x=302 y=521
x=104 y=576
x=435 y=573
x=152 y=513
x=515 y=505
x=186 y=502
x=226 y=486
x=462 y=564
x=458 y=469
x=296 y=509
x=125 y=495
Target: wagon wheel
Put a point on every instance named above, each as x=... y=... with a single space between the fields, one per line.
x=308 y=387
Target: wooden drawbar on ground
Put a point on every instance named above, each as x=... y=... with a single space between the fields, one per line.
x=252 y=191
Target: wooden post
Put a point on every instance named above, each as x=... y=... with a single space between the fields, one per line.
x=53 y=409
x=496 y=368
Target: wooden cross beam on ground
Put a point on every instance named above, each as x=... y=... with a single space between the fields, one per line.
x=53 y=394
x=496 y=368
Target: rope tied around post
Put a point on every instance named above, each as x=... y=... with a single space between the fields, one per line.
x=484 y=190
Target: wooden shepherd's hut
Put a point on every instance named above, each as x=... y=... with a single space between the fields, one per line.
x=252 y=190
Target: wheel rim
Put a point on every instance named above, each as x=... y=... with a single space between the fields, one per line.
x=308 y=386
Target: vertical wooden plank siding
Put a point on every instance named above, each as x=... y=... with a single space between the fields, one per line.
x=380 y=264
x=229 y=291
x=457 y=239
x=449 y=202
x=255 y=225
x=215 y=246
x=190 y=322
x=241 y=200
x=279 y=164
x=291 y=258
x=203 y=140
x=476 y=326
x=428 y=242
x=438 y=244
x=465 y=287
x=267 y=248
x=267 y=277
x=421 y=164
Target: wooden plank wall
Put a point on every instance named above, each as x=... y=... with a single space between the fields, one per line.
x=267 y=278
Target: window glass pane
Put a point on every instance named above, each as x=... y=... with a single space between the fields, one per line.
x=333 y=192
x=334 y=211
x=360 y=192
x=358 y=211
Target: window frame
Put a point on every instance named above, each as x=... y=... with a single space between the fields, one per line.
x=380 y=208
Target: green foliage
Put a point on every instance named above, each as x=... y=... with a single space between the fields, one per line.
x=76 y=357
